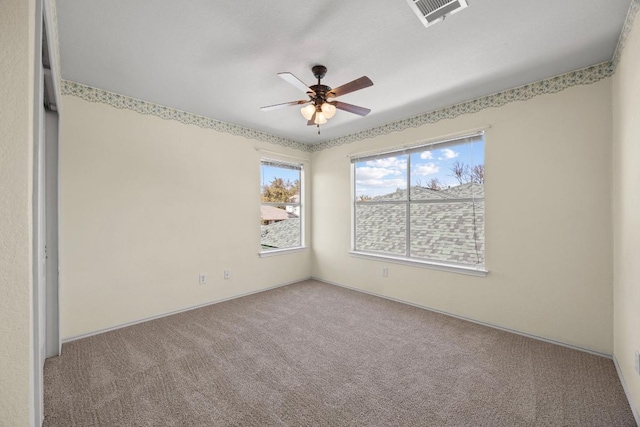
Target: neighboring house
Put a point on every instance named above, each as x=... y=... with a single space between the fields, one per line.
x=280 y=228
x=449 y=229
x=272 y=214
x=294 y=209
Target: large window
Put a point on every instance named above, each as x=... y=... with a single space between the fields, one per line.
x=423 y=204
x=281 y=208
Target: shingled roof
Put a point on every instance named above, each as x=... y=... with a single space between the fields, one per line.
x=441 y=230
x=282 y=234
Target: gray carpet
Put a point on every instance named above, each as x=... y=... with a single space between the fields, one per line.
x=313 y=354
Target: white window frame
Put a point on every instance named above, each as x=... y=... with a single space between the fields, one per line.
x=301 y=204
x=476 y=270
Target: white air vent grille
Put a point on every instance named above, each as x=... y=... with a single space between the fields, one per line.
x=433 y=11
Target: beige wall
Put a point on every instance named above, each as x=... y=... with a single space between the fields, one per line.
x=548 y=221
x=146 y=206
x=626 y=211
x=17 y=19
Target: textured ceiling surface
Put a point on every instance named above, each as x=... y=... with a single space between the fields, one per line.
x=221 y=59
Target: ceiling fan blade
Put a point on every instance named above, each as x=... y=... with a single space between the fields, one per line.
x=357 y=84
x=286 y=104
x=294 y=81
x=361 y=111
x=312 y=120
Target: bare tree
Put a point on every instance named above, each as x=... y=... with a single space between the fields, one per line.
x=465 y=173
x=461 y=172
x=364 y=198
x=435 y=184
x=477 y=174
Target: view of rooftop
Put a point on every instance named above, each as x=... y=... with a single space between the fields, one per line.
x=445 y=225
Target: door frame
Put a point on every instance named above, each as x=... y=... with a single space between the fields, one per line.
x=45 y=317
x=53 y=344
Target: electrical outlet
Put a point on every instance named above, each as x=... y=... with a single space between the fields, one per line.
x=227 y=274
x=202 y=279
x=385 y=272
x=637 y=359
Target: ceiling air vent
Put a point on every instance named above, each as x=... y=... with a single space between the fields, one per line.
x=433 y=11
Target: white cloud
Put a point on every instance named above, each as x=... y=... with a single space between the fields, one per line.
x=381 y=176
x=426 y=169
x=425 y=155
x=389 y=162
x=379 y=183
x=367 y=173
x=448 y=153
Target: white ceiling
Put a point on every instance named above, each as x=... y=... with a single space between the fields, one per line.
x=219 y=59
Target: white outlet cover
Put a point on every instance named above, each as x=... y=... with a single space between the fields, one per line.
x=637 y=360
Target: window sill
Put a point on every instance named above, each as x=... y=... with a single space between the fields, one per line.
x=276 y=252
x=471 y=271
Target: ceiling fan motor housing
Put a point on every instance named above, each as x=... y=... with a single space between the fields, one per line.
x=319 y=71
x=321 y=93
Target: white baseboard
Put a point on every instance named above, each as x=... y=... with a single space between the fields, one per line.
x=636 y=414
x=181 y=310
x=468 y=319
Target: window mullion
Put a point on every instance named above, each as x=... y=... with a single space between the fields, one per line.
x=408 y=210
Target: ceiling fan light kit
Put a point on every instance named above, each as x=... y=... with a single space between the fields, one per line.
x=328 y=109
x=320 y=119
x=319 y=108
x=308 y=111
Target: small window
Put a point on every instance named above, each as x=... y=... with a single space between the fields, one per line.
x=281 y=208
x=424 y=204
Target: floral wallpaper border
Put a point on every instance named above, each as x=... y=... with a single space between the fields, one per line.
x=556 y=84
x=92 y=94
x=585 y=76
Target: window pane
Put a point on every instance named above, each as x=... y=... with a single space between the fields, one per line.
x=381 y=179
x=381 y=228
x=280 y=224
x=448 y=231
x=438 y=169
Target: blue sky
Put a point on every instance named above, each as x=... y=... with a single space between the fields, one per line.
x=267 y=173
x=384 y=176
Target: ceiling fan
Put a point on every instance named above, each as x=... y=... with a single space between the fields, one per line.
x=320 y=107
